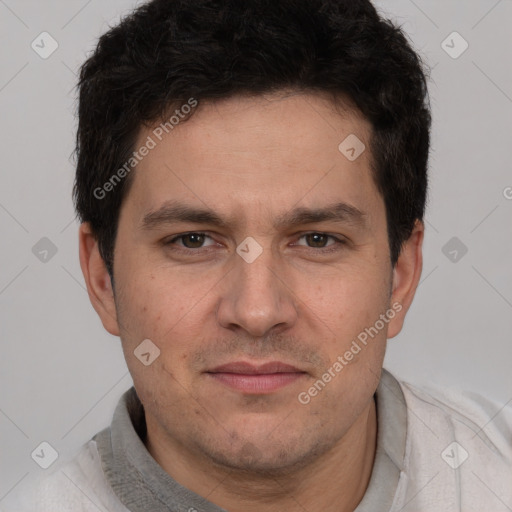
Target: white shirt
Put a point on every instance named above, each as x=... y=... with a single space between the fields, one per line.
x=437 y=451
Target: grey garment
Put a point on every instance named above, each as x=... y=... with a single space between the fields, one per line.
x=141 y=483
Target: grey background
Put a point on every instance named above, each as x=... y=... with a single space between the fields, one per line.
x=61 y=374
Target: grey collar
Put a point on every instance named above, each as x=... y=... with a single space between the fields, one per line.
x=141 y=484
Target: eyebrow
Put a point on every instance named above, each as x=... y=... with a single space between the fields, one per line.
x=173 y=212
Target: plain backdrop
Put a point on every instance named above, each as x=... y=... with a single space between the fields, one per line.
x=61 y=374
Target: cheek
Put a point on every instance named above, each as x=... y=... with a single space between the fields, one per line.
x=159 y=301
x=172 y=311
x=348 y=309
x=346 y=299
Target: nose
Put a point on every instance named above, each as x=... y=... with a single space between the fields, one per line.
x=256 y=297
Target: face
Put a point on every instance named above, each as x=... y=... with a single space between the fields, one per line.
x=247 y=236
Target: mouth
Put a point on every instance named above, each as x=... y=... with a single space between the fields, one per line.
x=256 y=379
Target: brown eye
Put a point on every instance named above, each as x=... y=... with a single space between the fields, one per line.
x=318 y=240
x=324 y=242
x=193 y=240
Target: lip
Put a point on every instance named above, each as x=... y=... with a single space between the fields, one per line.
x=256 y=379
x=253 y=369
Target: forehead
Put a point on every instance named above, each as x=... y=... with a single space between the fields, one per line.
x=262 y=155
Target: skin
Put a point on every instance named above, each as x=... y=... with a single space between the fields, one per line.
x=251 y=160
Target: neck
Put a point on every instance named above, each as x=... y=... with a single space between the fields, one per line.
x=335 y=481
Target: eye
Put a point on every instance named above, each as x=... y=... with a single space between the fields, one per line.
x=193 y=240
x=317 y=240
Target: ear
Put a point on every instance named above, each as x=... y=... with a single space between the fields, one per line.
x=97 y=279
x=406 y=277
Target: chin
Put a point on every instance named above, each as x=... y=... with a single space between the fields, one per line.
x=265 y=457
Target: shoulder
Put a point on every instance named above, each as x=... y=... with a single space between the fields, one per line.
x=462 y=414
x=458 y=453
x=75 y=485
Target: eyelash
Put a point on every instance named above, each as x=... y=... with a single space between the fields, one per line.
x=329 y=249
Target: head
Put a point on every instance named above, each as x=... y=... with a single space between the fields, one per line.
x=251 y=179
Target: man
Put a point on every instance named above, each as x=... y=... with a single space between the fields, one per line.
x=251 y=181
